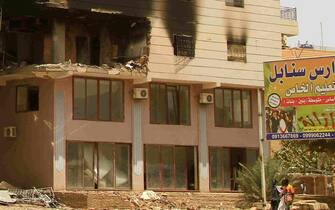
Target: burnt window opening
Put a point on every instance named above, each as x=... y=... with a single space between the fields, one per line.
x=237 y=51
x=27 y=98
x=22 y=41
x=184 y=45
x=235 y=3
x=95 y=51
x=82 y=50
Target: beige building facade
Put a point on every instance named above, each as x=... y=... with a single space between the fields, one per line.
x=135 y=95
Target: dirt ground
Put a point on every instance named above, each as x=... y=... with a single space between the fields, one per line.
x=26 y=207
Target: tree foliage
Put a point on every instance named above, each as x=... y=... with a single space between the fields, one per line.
x=250 y=180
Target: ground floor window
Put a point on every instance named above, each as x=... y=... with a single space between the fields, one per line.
x=224 y=166
x=171 y=167
x=98 y=165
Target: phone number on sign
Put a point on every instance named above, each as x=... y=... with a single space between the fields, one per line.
x=312 y=135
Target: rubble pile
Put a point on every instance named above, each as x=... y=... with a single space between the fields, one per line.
x=154 y=200
x=10 y=195
x=133 y=66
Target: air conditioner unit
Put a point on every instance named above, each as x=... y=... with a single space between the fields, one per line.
x=140 y=93
x=206 y=98
x=9 y=132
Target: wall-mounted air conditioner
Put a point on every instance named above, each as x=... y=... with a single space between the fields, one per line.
x=9 y=132
x=140 y=93
x=206 y=98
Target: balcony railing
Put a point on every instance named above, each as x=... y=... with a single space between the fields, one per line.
x=288 y=13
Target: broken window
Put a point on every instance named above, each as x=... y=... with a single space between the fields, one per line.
x=82 y=53
x=237 y=51
x=184 y=45
x=171 y=167
x=232 y=108
x=235 y=3
x=98 y=165
x=170 y=104
x=98 y=99
x=27 y=98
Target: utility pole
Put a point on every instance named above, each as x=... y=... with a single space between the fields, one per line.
x=321 y=36
x=261 y=141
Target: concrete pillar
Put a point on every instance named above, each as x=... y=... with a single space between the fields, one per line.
x=203 y=150
x=59 y=141
x=58 y=40
x=138 y=166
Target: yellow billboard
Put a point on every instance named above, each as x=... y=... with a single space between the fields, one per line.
x=300 y=98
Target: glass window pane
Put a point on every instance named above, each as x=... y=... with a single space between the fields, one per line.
x=80 y=171
x=172 y=99
x=22 y=98
x=226 y=169
x=237 y=108
x=158 y=104
x=152 y=157
x=167 y=166
x=216 y=164
x=104 y=100
x=79 y=99
x=91 y=98
x=106 y=165
x=181 y=167
x=184 y=103
x=228 y=114
x=219 y=113
x=74 y=166
x=246 y=101
x=117 y=101
x=191 y=168
x=88 y=160
x=122 y=163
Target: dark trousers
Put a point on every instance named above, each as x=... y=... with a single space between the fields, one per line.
x=274 y=204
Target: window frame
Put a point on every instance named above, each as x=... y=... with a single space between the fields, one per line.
x=96 y=166
x=233 y=124
x=234 y=4
x=98 y=99
x=161 y=188
x=233 y=58
x=167 y=121
x=27 y=86
x=190 y=53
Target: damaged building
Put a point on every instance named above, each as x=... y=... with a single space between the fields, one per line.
x=134 y=94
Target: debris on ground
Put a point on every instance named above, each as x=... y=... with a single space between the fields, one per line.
x=5 y=198
x=43 y=197
x=310 y=205
x=10 y=195
x=149 y=195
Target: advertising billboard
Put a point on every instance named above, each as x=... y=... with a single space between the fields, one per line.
x=300 y=99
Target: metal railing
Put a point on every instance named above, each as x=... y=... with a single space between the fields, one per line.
x=288 y=13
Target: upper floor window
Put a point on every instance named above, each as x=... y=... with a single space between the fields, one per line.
x=27 y=98
x=233 y=108
x=235 y=3
x=98 y=99
x=183 y=45
x=170 y=104
x=237 y=51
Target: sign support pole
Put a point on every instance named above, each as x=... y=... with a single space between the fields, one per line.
x=261 y=141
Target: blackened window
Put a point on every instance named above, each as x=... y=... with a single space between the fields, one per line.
x=237 y=51
x=184 y=45
x=170 y=104
x=235 y=3
x=27 y=98
x=82 y=52
x=98 y=99
x=233 y=108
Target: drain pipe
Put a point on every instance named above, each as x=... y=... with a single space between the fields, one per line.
x=261 y=142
